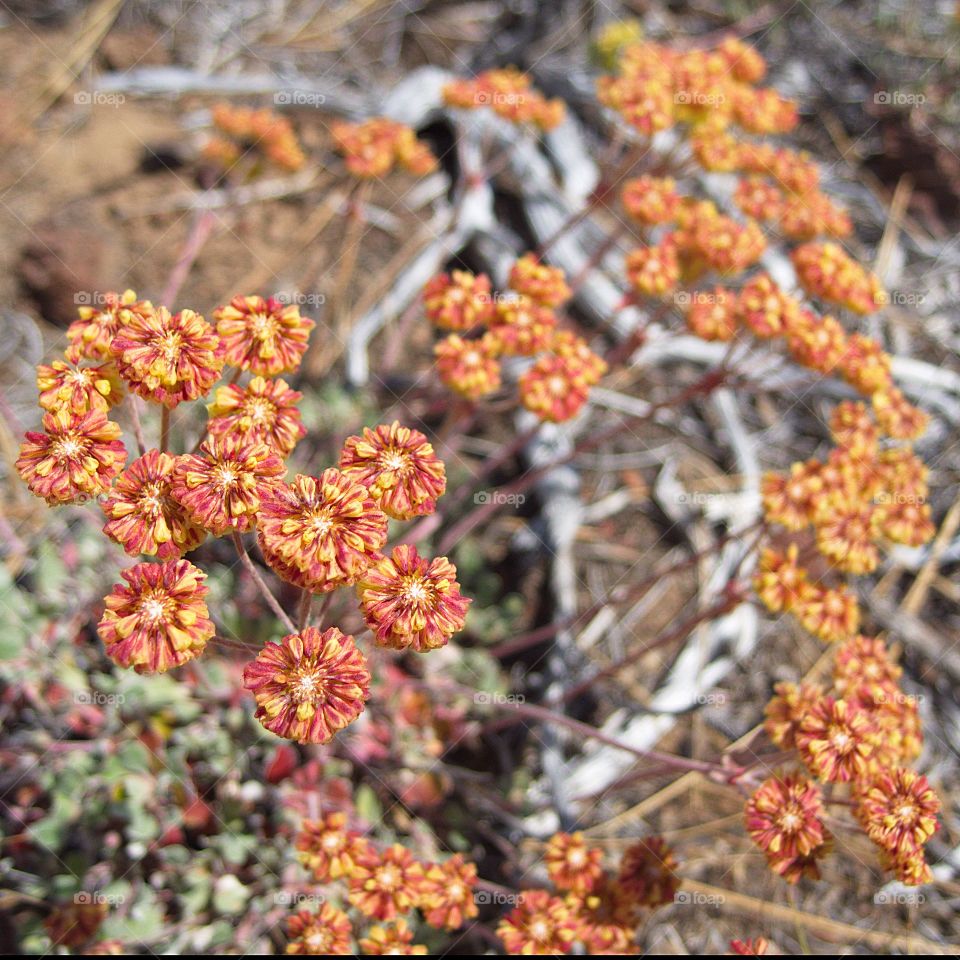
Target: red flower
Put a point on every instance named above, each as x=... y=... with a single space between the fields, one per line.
x=387 y=884
x=648 y=873
x=143 y=517
x=836 y=740
x=309 y=685
x=79 y=389
x=222 y=489
x=263 y=336
x=75 y=456
x=540 y=924
x=321 y=533
x=899 y=811
x=158 y=620
x=399 y=468
x=325 y=932
x=411 y=602
x=573 y=866
x=447 y=899
x=265 y=411
x=328 y=849
x=167 y=359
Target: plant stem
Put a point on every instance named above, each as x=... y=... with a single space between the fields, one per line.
x=134 y=407
x=272 y=601
x=303 y=614
x=164 y=429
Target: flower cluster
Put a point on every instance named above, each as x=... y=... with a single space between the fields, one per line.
x=376 y=146
x=592 y=907
x=509 y=94
x=382 y=886
x=520 y=322
x=242 y=131
x=863 y=732
x=317 y=532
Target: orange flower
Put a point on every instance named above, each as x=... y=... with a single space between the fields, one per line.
x=806 y=216
x=817 y=343
x=898 y=417
x=92 y=334
x=553 y=388
x=573 y=867
x=790 y=498
x=458 y=300
x=786 y=709
x=520 y=326
x=712 y=315
x=899 y=811
x=159 y=619
x=143 y=517
x=411 y=602
x=509 y=94
x=78 y=389
x=542 y=284
x=399 y=468
x=372 y=148
x=764 y=308
x=309 y=685
x=387 y=884
x=321 y=533
x=746 y=63
x=830 y=613
x=754 y=947
x=261 y=130
x=167 y=359
x=325 y=932
x=222 y=489
x=836 y=740
x=328 y=849
x=648 y=872
x=784 y=818
x=394 y=939
x=758 y=198
x=865 y=365
x=589 y=366
x=447 y=901
x=655 y=270
x=651 y=200
x=540 y=924
x=265 y=337
x=265 y=411
x=468 y=367
x=825 y=271
x=780 y=581
x=75 y=456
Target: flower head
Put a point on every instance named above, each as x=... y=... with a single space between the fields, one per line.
x=712 y=315
x=521 y=326
x=651 y=200
x=830 y=613
x=554 y=388
x=78 y=389
x=393 y=939
x=309 y=685
x=412 y=602
x=786 y=709
x=784 y=817
x=167 y=358
x=265 y=337
x=899 y=811
x=458 y=301
x=509 y=94
x=75 y=456
x=73 y=924
x=468 y=367
x=158 y=620
x=328 y=849
x=573 y=866
x=92 y=334
x=447 y=901
x=383 y=885
x=590 y=366
x=647 y=873
x=543 y=284
x=325 y=932
x=321 y=533
x=265 y=411
x=539 y=924
x=399 y=468
x=143 y=517
x=836 y=740
x=222 y=488
x=375 y=146
x=655 y=270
